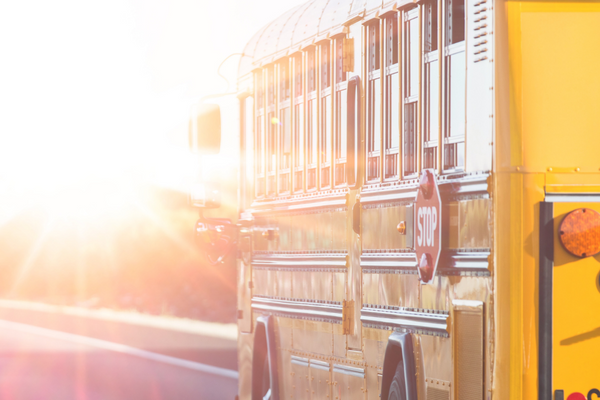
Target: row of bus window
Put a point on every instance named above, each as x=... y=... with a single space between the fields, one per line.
x=300 y=104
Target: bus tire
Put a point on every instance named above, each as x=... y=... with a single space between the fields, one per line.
x=398 y=386
x=265 y=384
x=399 y=369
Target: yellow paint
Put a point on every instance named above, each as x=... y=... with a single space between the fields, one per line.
x=553 y=102
x=576 y=317
x=572 y=189
x=547 y=141
x=560 y=85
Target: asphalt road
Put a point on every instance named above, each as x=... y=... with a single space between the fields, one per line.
x=40 y=363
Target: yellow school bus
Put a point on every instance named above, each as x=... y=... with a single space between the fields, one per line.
x=419 y=201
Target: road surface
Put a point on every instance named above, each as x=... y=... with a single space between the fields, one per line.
x=138 y=363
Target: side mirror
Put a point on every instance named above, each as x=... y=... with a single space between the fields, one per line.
x=205 y=129
x=205 y=196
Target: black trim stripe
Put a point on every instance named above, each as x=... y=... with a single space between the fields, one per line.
x=545 y=300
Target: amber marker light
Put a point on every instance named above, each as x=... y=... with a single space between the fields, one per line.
x=401 y=227
x=580 y=232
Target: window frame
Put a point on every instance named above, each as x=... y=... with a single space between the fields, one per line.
x=259 y=135
x=391 y=69
x=284 y=124
x=271 y=131
x=452 y=48
x=325 y=126
x=340 y=140
x=432 y=75
x=298 y=122
x=410 y=101
x=374 y=100
x=311 y=120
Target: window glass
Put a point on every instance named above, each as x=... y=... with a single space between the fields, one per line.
x=374 y=145
x=340 y=75
x=413 y=56
x=298 y=76
x=342 y=125
x=373 y=102
x=260 y=90
x=373 y=50
x=260 y=167
x=311 y=144
x=457 y=94
x=325 y=140
x=260 y=157
x=311 y=70
x=325 y=66
x=271 y=152
x=286 y=137
x=298 y=146
x=247 y=124
x=284 y=80
x=431 y=85
x=455 y=73
x=411 y=51
x=271 y=86
x=394 y=137
x=431 y=27
x=341 y=141
x=409 y=142
x=391 y=40
x=392 y=97
x=456 y=21
x=432 y=98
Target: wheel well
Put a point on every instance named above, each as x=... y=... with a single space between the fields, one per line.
x=264 y=346
x=399 y=350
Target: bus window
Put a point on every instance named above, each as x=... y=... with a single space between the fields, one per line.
x=373 y=103
x=271 y=132
x=411 y=91
x=341 y=115
x=298 y=124
x=311 y=121
x=285 y=128
x=259 y=133
x=247 y=146
x=326 y=110
x=392 y=95
x=454 y=129
x=431 y=85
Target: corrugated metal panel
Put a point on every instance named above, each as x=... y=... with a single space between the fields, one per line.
x=358 y=6
x=468 y=339
x=308 y=24
x=286 y=40
x=438 y=389
x=246 y=61
x=296 y=28
x=267 y=44
x=373 y=4
x=335 y=13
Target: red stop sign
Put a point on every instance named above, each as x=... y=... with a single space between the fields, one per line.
x=428 y=231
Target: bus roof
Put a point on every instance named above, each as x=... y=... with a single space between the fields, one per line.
x=303 y=26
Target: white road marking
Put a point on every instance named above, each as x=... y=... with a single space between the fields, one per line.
x=223 y=331
x=119 y=348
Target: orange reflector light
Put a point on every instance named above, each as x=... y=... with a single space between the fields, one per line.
x=580 y=232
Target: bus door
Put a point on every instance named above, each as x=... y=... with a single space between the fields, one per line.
x=570 y=301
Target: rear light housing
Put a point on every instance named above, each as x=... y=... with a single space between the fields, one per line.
x=580 y=232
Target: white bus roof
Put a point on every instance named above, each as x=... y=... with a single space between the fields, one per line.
x=303 y=26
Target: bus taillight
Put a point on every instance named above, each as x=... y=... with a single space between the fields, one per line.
x=580 y=232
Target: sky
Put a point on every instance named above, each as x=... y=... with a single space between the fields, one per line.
x=94 y=91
